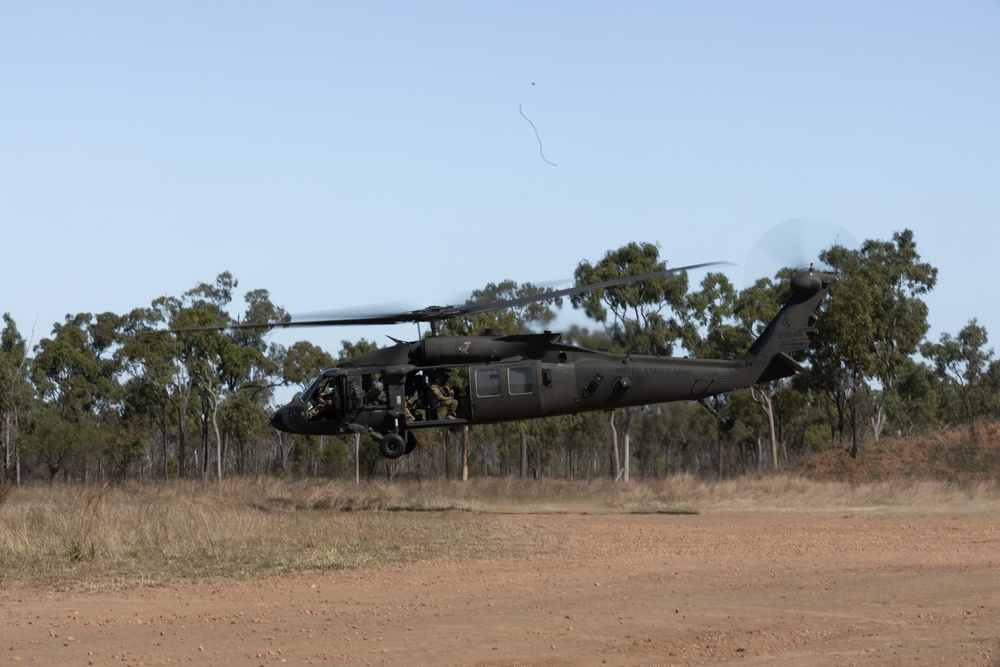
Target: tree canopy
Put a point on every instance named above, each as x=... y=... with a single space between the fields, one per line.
x=112 y=395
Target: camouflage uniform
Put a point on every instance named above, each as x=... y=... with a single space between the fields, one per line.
x=444 y=394
x=323 y=401
x=375 y=395
x=411 y=401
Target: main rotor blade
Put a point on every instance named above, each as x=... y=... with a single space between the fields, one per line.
x=570 y=291
x=436 y=313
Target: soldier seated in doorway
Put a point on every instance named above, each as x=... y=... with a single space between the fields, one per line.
x=445 y=396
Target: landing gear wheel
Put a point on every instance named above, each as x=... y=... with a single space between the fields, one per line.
x=411 y=442
x=392 y=446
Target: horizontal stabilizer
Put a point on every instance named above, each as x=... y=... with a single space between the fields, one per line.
x=780 y=366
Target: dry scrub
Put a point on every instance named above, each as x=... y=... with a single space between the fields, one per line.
x=143 y=535
x=132 y=535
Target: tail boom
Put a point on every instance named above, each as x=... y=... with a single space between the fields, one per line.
x=794 y=327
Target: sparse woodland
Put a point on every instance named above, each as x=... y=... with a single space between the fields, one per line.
x=115 y=396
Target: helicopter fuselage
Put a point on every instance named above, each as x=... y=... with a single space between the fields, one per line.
x=493 y=379
x=455 y=380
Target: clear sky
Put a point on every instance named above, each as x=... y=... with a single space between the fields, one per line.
x=341 y=154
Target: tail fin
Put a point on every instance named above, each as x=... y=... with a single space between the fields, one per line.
x=791 y=331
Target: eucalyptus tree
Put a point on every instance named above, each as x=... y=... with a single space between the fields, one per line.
x=243 y=420
x=991 y=385
x=965 y=366
x=199 y=318
x=250 y=368
x=720 y=333
x=874 y=321
x=716 y=331
x=179 y=359
x=303 y=361
x=71 y=368
x=919 y=398
x=647 y=317
x=213 y=363
x=651 y=427
x=751 y=432
x=15 y=392
x=897 y=323
x=77 y=373
x=147 y=356
x=224 y=362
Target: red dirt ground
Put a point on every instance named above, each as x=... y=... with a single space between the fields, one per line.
x=606 y=589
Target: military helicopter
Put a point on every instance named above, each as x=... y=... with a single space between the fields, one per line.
x=390 y=393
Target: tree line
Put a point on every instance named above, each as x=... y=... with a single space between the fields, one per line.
x=148 y=395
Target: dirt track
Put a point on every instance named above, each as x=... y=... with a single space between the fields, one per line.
x=604 y=589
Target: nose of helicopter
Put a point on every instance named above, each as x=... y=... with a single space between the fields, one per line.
x=278 y=419
x=290 y=418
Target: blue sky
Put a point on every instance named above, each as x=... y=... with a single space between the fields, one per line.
x=341 y=154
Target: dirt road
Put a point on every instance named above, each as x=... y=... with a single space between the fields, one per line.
x=600 y=589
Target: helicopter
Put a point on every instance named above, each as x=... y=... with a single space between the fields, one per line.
x=391 y=393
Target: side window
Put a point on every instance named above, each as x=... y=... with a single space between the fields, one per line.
x=487 y=382
x=520 y=380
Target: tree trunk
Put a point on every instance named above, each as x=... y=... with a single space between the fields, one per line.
x=616 y=466
x=718 y=435
x=163 y=422
x=774 y=436
x=204 y=444
x=627 y=445
x=447 y=467
x=6 y=444
x=879 y=420
x=764 y=400
x=465 y=453
x=181 y=444
x=357 y=458
x=854 y=428
x=218 y=440
x=524 y=455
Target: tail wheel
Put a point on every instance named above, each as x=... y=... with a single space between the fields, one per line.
x=392 y=446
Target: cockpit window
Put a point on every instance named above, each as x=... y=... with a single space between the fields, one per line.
x=307 y=392
x=324 y=399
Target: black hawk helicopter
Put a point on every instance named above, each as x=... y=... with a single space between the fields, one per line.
x=390 y=393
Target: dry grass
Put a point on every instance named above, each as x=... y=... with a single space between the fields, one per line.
x=128 y=536
x=791 y=493
x=143 y=535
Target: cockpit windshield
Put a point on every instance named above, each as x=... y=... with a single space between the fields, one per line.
x=308 y=391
